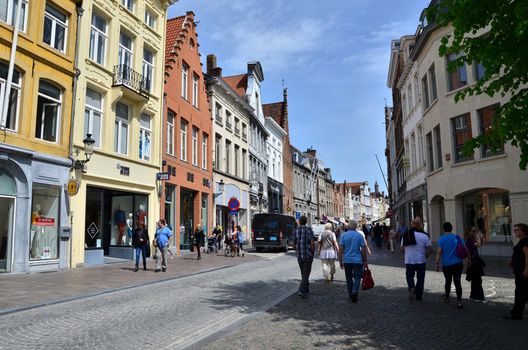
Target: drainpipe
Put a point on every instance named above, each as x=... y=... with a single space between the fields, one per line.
x=80 y=12
x=14 y=43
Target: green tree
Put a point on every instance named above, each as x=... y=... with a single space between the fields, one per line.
x=495 y=34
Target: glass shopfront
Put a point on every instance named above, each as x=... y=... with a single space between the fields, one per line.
x=112 y=216
x=44 y=242
x=187 y=220
x=7 y=210
x=489 y=210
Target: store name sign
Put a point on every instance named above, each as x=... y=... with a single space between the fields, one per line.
x=124 y=170
x=163 y=176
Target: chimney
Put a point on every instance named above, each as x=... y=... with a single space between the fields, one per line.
x=212 y=69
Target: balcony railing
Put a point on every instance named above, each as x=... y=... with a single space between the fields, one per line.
x=237 y=131
x=124 y=75
x=228 y=125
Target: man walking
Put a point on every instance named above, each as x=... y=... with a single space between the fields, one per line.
x=352 y=257
x=417 y=251
x=198 y=240
x=304 y=240
x=163 y=238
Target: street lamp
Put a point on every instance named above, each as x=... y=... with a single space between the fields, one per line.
x=220 y=188
x=88 y=151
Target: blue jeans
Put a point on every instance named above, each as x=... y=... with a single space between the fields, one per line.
x=143 y=251
x=353 y=273
x=419 y=270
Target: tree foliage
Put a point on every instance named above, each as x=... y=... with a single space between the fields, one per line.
x=495 y=34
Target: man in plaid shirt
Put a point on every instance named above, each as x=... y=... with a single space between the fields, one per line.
x=304 y=246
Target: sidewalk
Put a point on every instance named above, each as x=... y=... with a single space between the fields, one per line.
x=22 y=291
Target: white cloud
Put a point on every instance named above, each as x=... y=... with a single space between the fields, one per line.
x=371 y=61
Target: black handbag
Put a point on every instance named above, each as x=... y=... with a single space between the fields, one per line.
x=148 y=250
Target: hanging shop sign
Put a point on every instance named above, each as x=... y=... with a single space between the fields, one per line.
x=73 y=187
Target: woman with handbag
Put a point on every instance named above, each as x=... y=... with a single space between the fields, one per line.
x=328 y=249
x=449 y=253
x=475 y=271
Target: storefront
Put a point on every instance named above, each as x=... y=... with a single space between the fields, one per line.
x=111 y=217
x=231 y=209
x=34 y=229
x=275 y=196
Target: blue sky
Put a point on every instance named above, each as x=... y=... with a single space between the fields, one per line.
x=333 y=56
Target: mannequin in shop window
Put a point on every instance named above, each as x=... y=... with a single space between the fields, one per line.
x=481 y=219
x=141 y=215
x=505 y=223
x=120 y=222
x=36 y=243
x=130 y=227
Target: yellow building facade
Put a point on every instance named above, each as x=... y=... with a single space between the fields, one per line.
x=119 y=99
x=35 y=132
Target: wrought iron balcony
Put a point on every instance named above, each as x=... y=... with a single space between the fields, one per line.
x=126 y=76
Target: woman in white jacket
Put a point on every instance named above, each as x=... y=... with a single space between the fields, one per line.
x=328 y=249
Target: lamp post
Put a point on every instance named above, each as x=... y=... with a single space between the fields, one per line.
x=88 y=142
x=220 y=188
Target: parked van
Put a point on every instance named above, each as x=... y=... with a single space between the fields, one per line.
x=272 y=231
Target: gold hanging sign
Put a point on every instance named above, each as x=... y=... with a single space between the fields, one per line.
x=73 y=187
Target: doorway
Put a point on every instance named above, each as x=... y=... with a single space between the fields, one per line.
x=7 y=210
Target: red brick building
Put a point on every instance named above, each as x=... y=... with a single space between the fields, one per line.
x=279 y=112
x=187 y=197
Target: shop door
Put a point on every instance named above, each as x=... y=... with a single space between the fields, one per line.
x=7 y=210
x=187 y=220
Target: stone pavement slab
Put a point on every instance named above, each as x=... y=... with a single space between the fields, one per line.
x=21 y=291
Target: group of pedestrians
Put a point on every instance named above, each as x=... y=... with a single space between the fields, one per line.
x=352 y=251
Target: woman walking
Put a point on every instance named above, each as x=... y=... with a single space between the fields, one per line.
x=328 y=249
x=140 y=241
x=452 y=264
x=520 y=269
x=475 y=271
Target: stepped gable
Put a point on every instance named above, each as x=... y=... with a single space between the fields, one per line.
x=177 y=29
x=238 y=83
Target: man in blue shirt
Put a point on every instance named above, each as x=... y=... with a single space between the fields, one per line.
x=305 y=247
x=163 y=237
x=352 y=257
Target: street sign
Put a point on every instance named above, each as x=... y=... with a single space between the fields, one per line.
x=297 y=215
x=92 y=230
x=162 y=176
x=233 y=205
x=73 y=187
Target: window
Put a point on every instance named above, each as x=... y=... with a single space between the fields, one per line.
x=48 y=112
x=45 y=219
x=244 y=164
x=432 y=82
x=218 y=113
x=55 y=28
x=420 y=147
x=93 y=115
x=185 y=77
x=228 y=120
x=458 y=77
x=410 y=98
x=170 y=132
x=461 y=133
x=121 y=128
x=194 y=148
x=11 y=121
x=150 y=19
x=404 y=106
x=478 y=70
x=7 y=13
x=195 y=91
x=425 y=92
x=237 y=126
x=413 y=152
x=416 y=89
x=218 y=152
x=486 y=124
x=129 y=4
x=237 y=160
x=145 y=137
x=183 y=140
x=227 y=156
x=244 y=131
x=438 y=141
x=148 y=68
x=98 y=39
x=125 y=53
x=204 y=151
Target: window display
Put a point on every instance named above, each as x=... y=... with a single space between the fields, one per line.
x=128 y=212
x=44 y=223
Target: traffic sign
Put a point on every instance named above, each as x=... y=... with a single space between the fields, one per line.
x=297 y=215
x=233 y=204
x=162 y=176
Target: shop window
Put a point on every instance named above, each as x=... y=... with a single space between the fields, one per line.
x=11 y=121
x=93 y=219
x=145 y=135
x=121 y=128
x=170 y=201
x=7 y=13
x=129 y=211
x=44 y=243
x=48 y=112
x=98 y=38
x=93 y=115
x=55 y=28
